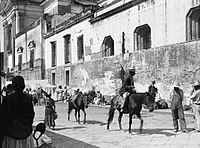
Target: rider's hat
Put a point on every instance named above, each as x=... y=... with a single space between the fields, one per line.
x=132 y=69
x=153 y=81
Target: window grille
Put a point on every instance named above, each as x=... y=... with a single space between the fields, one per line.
x=20 y=62
x=32 y=58
x=193 y=24
x=67 y=48
x=108 y=47
x=80 y=50
x=53 y=54
x=142 y=37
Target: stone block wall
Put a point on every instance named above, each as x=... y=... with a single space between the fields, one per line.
x=177 y=62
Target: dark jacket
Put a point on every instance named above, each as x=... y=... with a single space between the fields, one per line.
x=20 y=112
x=127 y=86
x=152 y=90
x=3 y=121
x=176 y=98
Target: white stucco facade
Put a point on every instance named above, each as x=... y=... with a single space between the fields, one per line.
x=166 y=18
x=34 y=35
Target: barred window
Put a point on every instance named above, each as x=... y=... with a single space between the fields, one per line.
x=20 y=62
x=67 y=78
x=9 y=40
x=53 y=78
x=193 y=24
x=67 y=48
x=142 y=37
x=123 y=43
x=53 y=54
x=108 y=47
x=80 y=50
x=32 y=56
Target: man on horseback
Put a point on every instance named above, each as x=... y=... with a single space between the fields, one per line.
x=127 y=89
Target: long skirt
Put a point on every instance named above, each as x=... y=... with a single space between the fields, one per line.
x=9 y=142
x=49 y=118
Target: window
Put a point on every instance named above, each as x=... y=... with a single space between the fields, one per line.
x=48 y=25
x=20 y=62
x=53 y=54
x=67 y=78
x=20 y=51
x=142 y=37
x=80 y=50
x=53 y=78
x=9 y=40
x=108 y=47
x=193 y=24
x=123 y=43
x=67 y=48
x=32 y=56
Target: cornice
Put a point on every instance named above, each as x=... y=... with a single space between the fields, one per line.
x=15 y=3
x=47 y=3
x=6 y=8
x=67 y=24
x=116 y=10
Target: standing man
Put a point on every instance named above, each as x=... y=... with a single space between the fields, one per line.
x=152 y=89
x=176 y=99
x=127 y=89
x=195 y=97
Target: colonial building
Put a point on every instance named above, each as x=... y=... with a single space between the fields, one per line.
x=23 y=38
x=84 y=43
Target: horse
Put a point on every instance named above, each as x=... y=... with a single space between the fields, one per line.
x=81 y=103
x=135 y=102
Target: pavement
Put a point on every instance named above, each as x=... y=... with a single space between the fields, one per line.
x=157 y=130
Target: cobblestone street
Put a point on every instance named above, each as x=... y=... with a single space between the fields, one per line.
x=157 y=130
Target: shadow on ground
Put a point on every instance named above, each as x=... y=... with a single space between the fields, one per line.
x=157 y=131
x=63 y=128
x=61 y=141
x=95 y=122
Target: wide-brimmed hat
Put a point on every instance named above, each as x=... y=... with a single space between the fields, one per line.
x=196 y=83
x=132 y=69
x=176 y=84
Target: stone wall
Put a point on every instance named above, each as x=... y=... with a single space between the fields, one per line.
x=164 y=64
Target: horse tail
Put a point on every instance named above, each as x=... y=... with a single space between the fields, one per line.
x=111 y=110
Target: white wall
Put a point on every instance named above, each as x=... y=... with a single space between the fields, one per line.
x=166 y=18
x=32 y=35
x=75 y=31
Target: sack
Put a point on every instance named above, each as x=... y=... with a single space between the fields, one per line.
x=55 y=115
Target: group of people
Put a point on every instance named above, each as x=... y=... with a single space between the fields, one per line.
x=61 y=94
x=17 y=112
x=17 y=115
x=176 y=99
